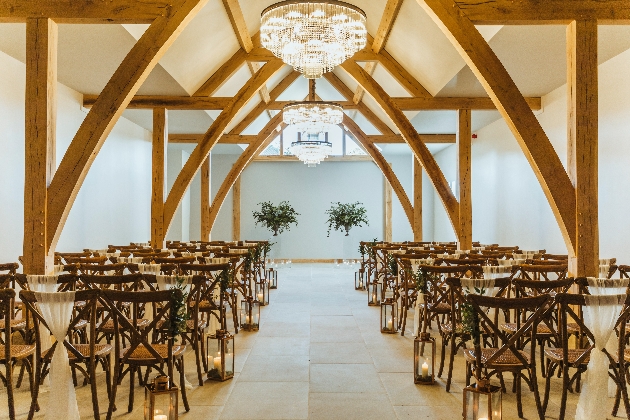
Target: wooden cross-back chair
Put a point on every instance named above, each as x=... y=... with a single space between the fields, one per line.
x=541 y=272
x=547 y=332
x=69 y=257
x=176 y=261
x=437 y=301
x=452 y=331
x=144 y=346
x=116 y=269
x=84 y=356
x=13 y=354
x=86 y=260
x=105 y=318
x=565 y=358
x=506 y=355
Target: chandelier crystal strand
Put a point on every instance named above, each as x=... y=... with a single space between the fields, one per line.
x=313 y=36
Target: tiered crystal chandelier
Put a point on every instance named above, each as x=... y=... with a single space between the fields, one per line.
x=312 y=118
x=313 y=36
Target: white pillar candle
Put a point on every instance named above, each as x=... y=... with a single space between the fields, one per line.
x=260 y=297
x=160 y=417
x=389 y=324
x=425 y=371
x=217 y=363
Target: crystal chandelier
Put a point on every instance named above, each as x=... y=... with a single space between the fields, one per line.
x=312 y=118
x=313 y=36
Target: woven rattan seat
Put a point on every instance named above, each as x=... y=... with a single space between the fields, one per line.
x=190 y=324
x=109 y=324
x=84 y=349
x=556 y=354
x=441 y=307
x=542 y=329
x=141 y=353
x=448 y=328
x=18 y=351
x=506 y=359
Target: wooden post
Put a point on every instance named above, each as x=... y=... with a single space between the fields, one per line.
x=582 y=95
x=464 y=169
x=388 y=211
x=236 y=210
x=417 y=199
x=158 y=167
x=39 y=157
x=205 y=199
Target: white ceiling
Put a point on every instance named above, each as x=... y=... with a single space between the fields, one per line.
x=533 y=55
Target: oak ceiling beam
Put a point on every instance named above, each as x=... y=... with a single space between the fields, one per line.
x=108 y=108
x=380 y=139
x=387 y=23
x=218 y=103
x=266 y=136
x=86 y=11
x=383 y=165
x=522 y=122
x=345 y=91
x=211 y=137
x=411 y=136
x=262 y=106
x=550 y=12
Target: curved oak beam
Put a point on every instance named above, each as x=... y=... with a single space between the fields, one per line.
x=199 y=154
x=412 y=138
x=510 y=102
x=254 y=149
x=384 y=166
x=108 y=108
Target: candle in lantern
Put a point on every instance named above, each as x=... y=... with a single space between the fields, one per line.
x=374 y=297
x=260 y=297
x=425 y=370
x=217 y=363
x=389 y=324
x=160 y=417
x=247 y=319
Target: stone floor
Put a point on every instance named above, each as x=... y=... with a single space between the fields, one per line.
x=318 y=355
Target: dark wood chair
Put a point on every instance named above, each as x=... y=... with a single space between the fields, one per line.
x=144 y=346
x=84 y=356
x=565 y=358
x=13 y=354
x=506 y=354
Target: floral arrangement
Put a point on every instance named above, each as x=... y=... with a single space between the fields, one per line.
x=276 y=218
x=346 y=216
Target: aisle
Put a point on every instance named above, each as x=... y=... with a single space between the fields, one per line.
x=319 y=354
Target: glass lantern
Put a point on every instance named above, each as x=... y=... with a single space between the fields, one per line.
x=160 y=400
x=359 y=280
x=250 y=314
x=374 y=293
x=424 y=364
x=272 y=277
x=482 y=401
x=389 y=315
x=262 y=292
x=220 y=348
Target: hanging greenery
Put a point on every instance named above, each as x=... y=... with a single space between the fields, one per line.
x=346 y=216
x=276 y=218
x=470 y=318
x=179 y=314
x=421 y=279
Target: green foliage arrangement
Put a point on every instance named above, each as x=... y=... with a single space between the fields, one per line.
x=421 y=279
x=179 y=314
x=346 y=216
x=366 y=249
x=276 y=218
x=470 y=318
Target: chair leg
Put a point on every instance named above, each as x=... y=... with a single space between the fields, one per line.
x=444 y=341
x=182 y=382
x=519 y=403
x=198 y=361
x=565 y=386
x=91 y=366
x=450 y=364
x=132 y=371
x=9 y=376
x=35 y=389
x=551 y=369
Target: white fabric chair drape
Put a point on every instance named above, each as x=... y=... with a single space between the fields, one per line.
x=604 y=286
x=483 y=287
x=168 y=282
x=56 y=309
x=600 y=316
x=149 y=268
x=216 y=260
x=495 y=272
x=43 y=283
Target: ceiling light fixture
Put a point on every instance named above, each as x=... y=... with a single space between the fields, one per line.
x=312 y=118
x=313 y=36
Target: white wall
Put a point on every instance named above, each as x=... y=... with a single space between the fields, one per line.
x=509 y=206
x=113 y=205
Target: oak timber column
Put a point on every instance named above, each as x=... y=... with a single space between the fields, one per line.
x=205 y=199
x=417 y=200
x=158 y=167
x=388 y=210
x=582 y=142
x=39 y=156
x=236 y=210
x=464 y=169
